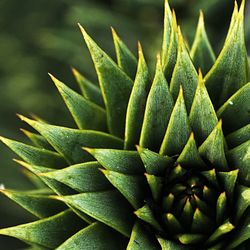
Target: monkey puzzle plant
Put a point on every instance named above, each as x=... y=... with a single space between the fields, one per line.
x=158 y=163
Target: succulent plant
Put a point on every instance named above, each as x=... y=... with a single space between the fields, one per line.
x=158 y=163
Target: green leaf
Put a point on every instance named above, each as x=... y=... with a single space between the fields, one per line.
x=154 y=163
x=221 y=231
x=125 y=58
x=137 y=103
x=191 y=238
x=37 y=204
x=178 y=130
x=49 y=232
x=108 y=207
x=115 y=86
x=201 y=52
x=169 y=244
x=35 y=156
x=240 y=157
x=156 y=185
x=123 y=161
x=133 y=187
x=172 y=223
x=229 y=181
x=230 y=71
x=239 y=136
x=86 y=114
x=243 y=200
x=242 y=234
x=221 y=208
x=145 y=213
x=69 y=142
x=169 y=52
x=189 y=156
x=142 y=239
x=158 y=110
x=167 y=34
x=238 y=104
x=184 y=74
x=202 y=116
x=212 y=148
x=201 y=222
x=96 y=236
x=83 y=177
x=89 y=90
x=37 y=140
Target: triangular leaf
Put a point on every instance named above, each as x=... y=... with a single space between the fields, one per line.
x=115 y=86
x=69 y=142
x=158 y=110
x=125 y=58
x=202 y=116
x=89 y=90
x=202 y=53
x=178 y=130
x=83 y=177
x=49 y=232
x=108 y=207
x=86 y=114
x=213 y=150
x=95 y=236
x=123 y=161
x=137 y=103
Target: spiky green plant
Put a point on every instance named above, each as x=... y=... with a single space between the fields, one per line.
x=154 y=164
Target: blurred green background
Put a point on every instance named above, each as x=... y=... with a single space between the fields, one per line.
x=42 y=36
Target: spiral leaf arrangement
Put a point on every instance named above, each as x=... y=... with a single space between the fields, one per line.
x=160 y=163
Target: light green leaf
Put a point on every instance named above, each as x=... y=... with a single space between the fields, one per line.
x=37 y=204
x=184 y=74
x=133 y=187
x=125 y=58
x=83 y=177
x=156 y=185
x=123 y=161
x=213 y=150
x=146 y=214
x=178 y=130
x=169 y=244
x=137 y=103
x=158 y=110
x=154 y=163
x=230 y=71
x=221 y=208
x=169 y=52
x=191 y=238
x=202 y=116
x=167 y=32
x=201 y=52
x=240 y=157
x=108 y=207
x=201 y=222
x=86 y=114
x=189 y=156
x=89 y=90
x=172 y=223
x=69 y=142
x=115 y=85
x=49 y=232
x=221 y=231
x=238 y=104
x=142 y=239
x=94 y=237
x=35 y=156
